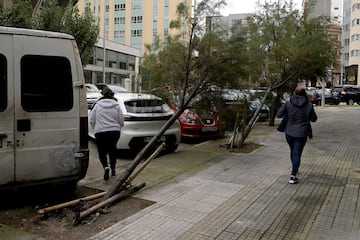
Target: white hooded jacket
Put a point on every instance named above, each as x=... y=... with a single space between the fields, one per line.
x=106 y=116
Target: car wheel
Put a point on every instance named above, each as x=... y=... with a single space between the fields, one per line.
x=350 y=102
x=171 y=148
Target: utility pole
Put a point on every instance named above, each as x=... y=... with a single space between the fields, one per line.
x=104 y=48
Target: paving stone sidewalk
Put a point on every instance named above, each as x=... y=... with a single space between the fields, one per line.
x=247 y=196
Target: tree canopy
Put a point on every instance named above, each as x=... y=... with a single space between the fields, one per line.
x=53 y=17
x=285 y=48
x=277 y=48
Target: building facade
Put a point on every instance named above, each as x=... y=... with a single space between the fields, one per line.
x=333 y=10
x=121 y=66
x=328 y=8
x=351 y=41
x=231 y=23
x=134 y=23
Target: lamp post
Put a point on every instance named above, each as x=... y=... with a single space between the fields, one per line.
x=104 y=49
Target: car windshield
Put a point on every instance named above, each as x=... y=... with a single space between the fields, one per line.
x=146 y=106
x=90 y=88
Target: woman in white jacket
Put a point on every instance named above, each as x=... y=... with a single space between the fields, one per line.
x=106 y=119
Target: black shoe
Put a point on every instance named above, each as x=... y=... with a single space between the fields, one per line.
x=106 y=174
x=113 y=173
x=293 y=180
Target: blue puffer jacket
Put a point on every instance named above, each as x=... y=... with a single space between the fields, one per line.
x=299 y=112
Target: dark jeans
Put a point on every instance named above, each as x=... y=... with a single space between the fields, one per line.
x=106 y=144
x=296 y=147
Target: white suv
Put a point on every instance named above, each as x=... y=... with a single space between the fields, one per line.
x=144 y=116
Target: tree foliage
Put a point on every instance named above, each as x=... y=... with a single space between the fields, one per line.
x=193 y=60
x=189 y=62
x=19 y=15
x=53 y=17
x=283 y=49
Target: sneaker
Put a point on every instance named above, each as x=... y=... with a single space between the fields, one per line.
x=293 y=179
x=106 y=174
x=113 y=172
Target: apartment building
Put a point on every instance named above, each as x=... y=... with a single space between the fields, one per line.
x=332 y=9
x=328 y=8
x=134 y=23
x=231 y=23
x=351 y=41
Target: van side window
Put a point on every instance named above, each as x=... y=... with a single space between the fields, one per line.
x=3 y=83
x=46 y=83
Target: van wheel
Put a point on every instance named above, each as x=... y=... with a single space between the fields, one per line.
x=350 y=102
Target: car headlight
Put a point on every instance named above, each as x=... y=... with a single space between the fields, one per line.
x=187 y=120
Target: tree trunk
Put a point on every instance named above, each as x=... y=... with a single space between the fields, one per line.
x=121 y=181
x=254 y=118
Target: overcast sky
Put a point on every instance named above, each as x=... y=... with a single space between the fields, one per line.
x=247 y=6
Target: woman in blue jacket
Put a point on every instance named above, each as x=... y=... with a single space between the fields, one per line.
x=299 y=112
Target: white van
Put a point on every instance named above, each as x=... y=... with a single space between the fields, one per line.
x=43 y=109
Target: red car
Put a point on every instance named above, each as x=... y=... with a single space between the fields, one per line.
x=196 y=124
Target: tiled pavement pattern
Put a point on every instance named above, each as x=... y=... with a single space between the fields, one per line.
x=246 y=196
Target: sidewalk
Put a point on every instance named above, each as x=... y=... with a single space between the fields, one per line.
x=203 y=193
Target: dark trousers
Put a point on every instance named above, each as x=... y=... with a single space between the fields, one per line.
x=106 y=145
x=296 y=147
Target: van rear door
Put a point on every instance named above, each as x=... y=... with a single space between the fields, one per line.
x=46 y=108
x=6 y=112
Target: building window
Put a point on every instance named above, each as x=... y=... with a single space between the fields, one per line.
x=136 y=33
x=155 y=32
x=107 y=8
x=136 y=19
x=120 y=7
x=355 y=53
x=166 y=3
x=119 y=33
x=355 y=22
x=166 y=31
x=136 y=6
x=119 y=20
x=355 y=37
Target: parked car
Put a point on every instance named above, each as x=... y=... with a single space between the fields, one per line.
x=264 y=114
x=201 y=124
x=144 y=116
x=349 y=94
x=331 y=97
x=115 y=88
x=315 y=97
x=92 y=94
